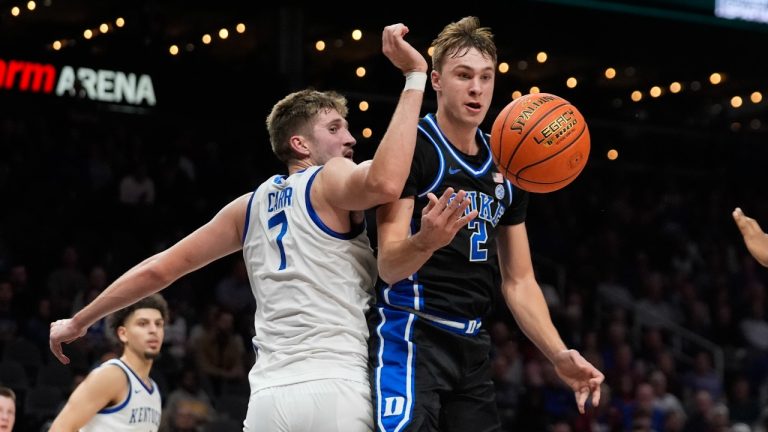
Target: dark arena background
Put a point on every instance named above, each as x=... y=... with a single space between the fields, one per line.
x=642 y=266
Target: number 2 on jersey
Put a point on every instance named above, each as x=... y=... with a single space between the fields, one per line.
x=478 y=238
x=280 y=219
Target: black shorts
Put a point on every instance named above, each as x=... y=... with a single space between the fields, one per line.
x=427 y=379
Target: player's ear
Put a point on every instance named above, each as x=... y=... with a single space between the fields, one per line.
x=122 y=334
x=435 y=79
x=299 y=145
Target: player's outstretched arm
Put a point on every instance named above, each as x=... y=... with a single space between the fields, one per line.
x=754 y=237
x=525 y=300
x=359 y=187
x=219 y=237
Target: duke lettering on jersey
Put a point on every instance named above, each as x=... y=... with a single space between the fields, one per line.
x=145 y=415
x=279 y=199
x=488 y=209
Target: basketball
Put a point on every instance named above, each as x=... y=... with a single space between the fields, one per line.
x=540 y=142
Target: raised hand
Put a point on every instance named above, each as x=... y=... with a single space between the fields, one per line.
x=442 y=218
x=754 y=236
x=404 y=56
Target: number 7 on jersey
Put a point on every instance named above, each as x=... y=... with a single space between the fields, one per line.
x=282 y=220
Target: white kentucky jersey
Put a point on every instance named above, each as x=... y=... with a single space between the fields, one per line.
x=139 y=412
x=312 y=286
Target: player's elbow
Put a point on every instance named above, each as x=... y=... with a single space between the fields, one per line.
x=387 y=277
x=387 y=273
x=154 y=274
x=384 y=189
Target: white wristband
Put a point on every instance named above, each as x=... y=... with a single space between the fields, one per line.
x=415 y=81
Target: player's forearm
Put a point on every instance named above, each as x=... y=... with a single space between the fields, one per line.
x=391 y=163
x=142 y=280
x=526 y=302
x=399 y=260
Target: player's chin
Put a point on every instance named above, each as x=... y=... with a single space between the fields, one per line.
x=151 y=354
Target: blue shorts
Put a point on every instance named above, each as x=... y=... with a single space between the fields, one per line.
x=426 y=377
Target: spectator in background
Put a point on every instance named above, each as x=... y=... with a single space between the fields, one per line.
x=97 y=281
x=9 y=318
x=703 y=377
x=66 y=282
x=7 y=409
x=189 y=401
x=176 y=332
x=137 y=188
x=183 y=417
x=24 y=297
x=37 y=325
x=662 y=399
x=643 y=407
x=206 y=324
x=233 y=292
x=220 y=353
x=743 y=405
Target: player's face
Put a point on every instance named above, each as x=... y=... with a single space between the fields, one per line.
x=144 y=332
x=465 y=87
x=7 y=413
x=330 y=137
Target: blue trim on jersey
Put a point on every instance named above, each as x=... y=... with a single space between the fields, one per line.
x=356 y=229
x=509 y=192
x=148 y=389
x=395 y=369
x=430 y=119
x=407 y=293
x=248 y=217
x=117 y=408
x=440 y=172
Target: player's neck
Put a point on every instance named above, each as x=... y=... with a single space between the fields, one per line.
x=138 y=364
x=460 y=135
x=297 y=165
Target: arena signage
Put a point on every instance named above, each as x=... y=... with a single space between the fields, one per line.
x=101 y=85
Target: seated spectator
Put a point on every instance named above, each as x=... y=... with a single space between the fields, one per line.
x=9 y=319
x=188 y=404
x=7 y=409
x=220 y=352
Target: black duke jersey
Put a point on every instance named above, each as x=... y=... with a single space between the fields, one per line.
x=461 y=278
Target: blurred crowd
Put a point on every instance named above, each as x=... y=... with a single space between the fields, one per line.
x=641 y=265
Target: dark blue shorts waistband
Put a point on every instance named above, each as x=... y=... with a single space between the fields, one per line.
x=462 y=326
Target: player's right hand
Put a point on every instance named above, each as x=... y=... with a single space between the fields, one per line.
x=63 y=331
x=404 y=56
x=442 y=218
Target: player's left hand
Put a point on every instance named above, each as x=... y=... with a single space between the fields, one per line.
x=63 y=331
x=580 y=375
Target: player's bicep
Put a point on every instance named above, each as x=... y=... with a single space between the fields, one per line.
x=221 y=236
x=343 y=184
x=514 y=252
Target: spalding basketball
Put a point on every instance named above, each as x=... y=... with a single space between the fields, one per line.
x=540 y=142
